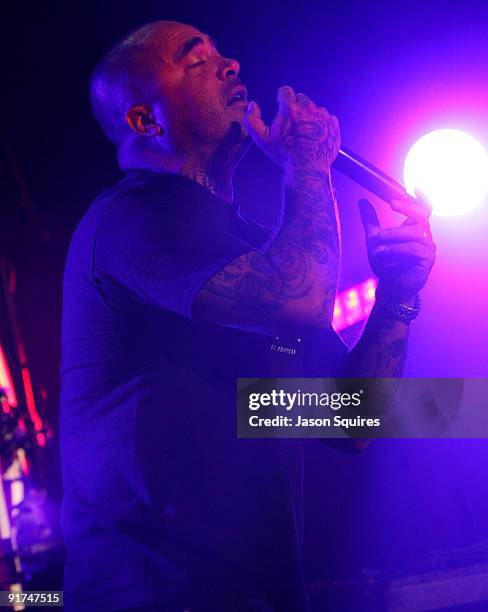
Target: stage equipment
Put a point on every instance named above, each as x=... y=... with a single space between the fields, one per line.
x=29 y=530
x=451 y=587
x=453 y=580
x=354 y=304
x=451 y=168
x=369 y=176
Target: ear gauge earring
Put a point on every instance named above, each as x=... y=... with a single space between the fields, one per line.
x=149 y=123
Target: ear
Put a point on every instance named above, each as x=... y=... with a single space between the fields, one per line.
x=142 y=120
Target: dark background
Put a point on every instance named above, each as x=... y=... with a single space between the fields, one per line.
x=390 y=72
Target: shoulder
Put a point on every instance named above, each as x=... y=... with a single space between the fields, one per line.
x=147 y=203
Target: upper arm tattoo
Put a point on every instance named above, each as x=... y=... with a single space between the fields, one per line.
x=248 y=283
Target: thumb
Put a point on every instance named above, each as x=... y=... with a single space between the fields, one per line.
x=255 y=125
x=369 y=218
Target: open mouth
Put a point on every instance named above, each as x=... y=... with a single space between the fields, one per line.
x=239 y=95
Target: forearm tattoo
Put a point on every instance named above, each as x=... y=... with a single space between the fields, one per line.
x=381 y=351
x=300 y=269
x=306 y=252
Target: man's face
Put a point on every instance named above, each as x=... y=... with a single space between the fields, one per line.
x=203 y=101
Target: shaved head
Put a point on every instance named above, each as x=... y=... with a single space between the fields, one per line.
x=167 y=99
x=128 y=74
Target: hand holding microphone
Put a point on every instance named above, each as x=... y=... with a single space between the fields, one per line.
x=299 y=120
x=301 y=134
x=306 y=136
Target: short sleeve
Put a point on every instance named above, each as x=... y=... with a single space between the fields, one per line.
x=161 y=248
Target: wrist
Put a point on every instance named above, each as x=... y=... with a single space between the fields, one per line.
x=392 y=294
x=404 y=309
x=296 y=169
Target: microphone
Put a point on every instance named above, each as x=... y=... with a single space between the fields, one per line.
x=370 y=177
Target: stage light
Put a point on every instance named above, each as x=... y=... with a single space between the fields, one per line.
x=6 y=384
x=451 y=168
x=354 y=304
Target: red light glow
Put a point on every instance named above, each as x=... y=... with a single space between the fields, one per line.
x=6 y=380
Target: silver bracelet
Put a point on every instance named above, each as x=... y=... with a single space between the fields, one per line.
x=396 y=310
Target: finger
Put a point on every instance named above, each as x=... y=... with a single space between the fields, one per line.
x=369 y=218
x=329 y=119
x=336 y=130
x=286 y=97
x=305 y=102
x=411 y=208
x=324 y=113
x=423 y=224
x=404 y=233
x=255 y=125
x=424 y=200
x=332 y=124
x=410 y=221
x=408 y=250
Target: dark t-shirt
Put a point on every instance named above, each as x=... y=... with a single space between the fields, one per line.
x=162 y=502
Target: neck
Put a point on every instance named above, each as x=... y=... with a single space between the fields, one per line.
x=215 y=178
x=212 y=167
x=214 y=172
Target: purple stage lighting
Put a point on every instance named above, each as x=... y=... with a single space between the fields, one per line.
x=451 y=168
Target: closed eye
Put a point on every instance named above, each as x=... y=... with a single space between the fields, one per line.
x=197 y=64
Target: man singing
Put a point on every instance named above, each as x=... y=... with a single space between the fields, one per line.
x=169 y=296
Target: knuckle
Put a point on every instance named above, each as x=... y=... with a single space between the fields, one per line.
x=303 y=100
x=286 y=91
x=293 y=111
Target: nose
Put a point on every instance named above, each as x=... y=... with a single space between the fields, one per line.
x=228 y=68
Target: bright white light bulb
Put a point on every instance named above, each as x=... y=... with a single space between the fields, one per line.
x=451 y=168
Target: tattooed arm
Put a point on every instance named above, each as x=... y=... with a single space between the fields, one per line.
x=381 y=351
x=402 y=258
x=292 y=286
